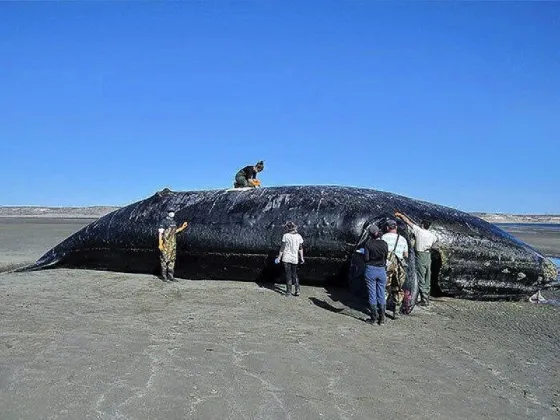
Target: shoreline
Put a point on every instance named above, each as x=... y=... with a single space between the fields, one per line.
x=95 y=212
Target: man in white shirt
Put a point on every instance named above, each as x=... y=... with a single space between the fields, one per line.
x=425 y=241
x=291 y=254
x=396 y=271
x=395 y=242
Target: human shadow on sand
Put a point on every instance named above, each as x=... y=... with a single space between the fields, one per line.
x=343 y=302
x=271 y=276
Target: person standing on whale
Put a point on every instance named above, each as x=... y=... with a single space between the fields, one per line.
x=247 y=177
x=167 y=244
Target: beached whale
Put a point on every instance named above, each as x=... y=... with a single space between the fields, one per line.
x=235 y=235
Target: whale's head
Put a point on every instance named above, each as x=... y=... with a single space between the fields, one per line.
x=479 y=260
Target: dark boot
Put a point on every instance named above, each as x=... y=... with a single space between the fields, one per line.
x=163 y=271
x=425 y=302
x=396 y=310
x=372 y=314
x=297 y=290
x=381 y=310
x=170 y=275
x=288 y=289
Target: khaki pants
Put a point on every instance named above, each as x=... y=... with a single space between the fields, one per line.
x=395 y=282
x=424 y=273
x=167 y=265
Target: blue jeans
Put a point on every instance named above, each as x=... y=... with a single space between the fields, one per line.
x=376 y=280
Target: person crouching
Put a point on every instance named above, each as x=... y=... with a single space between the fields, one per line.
x=375 y=256
x=247 y=177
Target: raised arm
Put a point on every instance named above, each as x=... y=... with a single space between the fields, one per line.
x=404 y=218
x=182 y=227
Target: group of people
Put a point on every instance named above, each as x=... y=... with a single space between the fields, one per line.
x=385 y=257
x=291 y=251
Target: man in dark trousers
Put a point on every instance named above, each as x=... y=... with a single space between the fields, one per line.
x=291 y=254
x=247 y=177
x=167 y=244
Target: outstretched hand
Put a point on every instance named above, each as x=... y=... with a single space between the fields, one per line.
x=185 y=224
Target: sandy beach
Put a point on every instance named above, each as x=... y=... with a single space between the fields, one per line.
x=545 y=238
x=102 y=345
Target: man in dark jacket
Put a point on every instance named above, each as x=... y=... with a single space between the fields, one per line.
x=375 y=256
x=247 y=177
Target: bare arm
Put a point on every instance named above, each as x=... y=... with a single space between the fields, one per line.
x=301 y=252
x=404 y=218
x=160 y=239
x=182 y=227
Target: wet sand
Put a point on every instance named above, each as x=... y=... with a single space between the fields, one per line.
x=545 y=238
x=101 y=345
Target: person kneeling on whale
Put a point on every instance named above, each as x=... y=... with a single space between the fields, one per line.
x=375 y=257
x=247 y=177
x=292 y=247
x=167 y=243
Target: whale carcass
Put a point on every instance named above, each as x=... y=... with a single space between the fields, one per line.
x=235 y=235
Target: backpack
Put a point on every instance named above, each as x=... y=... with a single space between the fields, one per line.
x=393 y=262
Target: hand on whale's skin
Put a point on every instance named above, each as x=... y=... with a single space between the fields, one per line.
x=185 y=224
x=277 y=261
x=302 y=261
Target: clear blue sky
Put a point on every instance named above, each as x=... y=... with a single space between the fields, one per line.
x=454 y=103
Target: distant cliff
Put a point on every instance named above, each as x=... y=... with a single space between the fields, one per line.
x=518 y=218
x=94 y=212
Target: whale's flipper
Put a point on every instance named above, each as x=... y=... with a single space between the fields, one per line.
x=46 y=261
